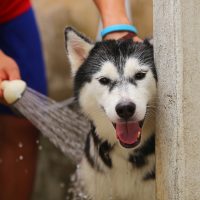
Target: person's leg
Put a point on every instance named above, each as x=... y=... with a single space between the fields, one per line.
x=18 y=155
x=20 y=40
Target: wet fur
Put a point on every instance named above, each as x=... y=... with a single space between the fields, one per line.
x=108 y=169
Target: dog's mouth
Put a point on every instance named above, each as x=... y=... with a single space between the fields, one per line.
x=128 y=133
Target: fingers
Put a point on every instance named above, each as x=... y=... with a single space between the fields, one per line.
x=120 y=35
x=114 y=36
x=9 y=67
x=13 y=72
x=137 y=39
x=9 y=73
x=3 y=77
x=9 y=70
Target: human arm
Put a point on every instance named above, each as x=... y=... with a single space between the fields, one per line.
x=114 y=12
x=9 y=69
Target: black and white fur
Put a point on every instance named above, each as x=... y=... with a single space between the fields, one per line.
x=108 y=170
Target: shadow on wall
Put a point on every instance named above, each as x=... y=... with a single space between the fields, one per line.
x=53 y=16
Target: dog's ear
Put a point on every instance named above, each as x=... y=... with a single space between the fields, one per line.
x=78 y=47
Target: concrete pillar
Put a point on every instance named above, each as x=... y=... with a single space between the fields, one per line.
x=177 y=56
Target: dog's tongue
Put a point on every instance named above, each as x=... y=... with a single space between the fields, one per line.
x=128 y=132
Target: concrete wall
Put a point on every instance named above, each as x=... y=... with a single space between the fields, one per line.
x=177 y=55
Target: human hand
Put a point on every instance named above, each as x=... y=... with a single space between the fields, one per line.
x=119 y=35
x=9 y=70
x=117 y=16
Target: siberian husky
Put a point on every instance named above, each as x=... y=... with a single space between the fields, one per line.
x=115 y=86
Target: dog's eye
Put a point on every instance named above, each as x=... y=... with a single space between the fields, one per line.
x=104 y=81
x=140 y=75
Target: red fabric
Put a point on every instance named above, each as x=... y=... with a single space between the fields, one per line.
x=9 y=9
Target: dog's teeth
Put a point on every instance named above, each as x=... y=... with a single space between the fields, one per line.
x=139 y=133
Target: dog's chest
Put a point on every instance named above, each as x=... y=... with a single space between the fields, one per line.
x=119 y=174
x=128 y=180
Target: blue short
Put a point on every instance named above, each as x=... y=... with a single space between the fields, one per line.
x=19 y=39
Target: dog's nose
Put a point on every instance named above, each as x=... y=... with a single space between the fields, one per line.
x=125 y=110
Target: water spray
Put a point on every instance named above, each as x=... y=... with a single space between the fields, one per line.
x=61 y=122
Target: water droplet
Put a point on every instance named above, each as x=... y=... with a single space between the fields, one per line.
x=80 y=194
x=37 y=141
x=40 y=147
x=20 y=145
x=72 y=178
x=21 y=157
x=62 y=185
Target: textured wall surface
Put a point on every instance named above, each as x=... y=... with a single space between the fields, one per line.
x=176 y=37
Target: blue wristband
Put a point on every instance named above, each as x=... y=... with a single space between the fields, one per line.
x=118 y=27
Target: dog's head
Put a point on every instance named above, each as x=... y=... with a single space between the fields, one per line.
x=113 y=81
